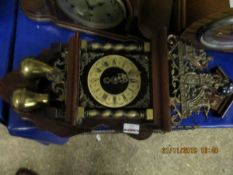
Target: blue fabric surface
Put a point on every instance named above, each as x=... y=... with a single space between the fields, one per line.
x=8 y=9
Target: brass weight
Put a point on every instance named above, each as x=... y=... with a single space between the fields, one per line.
x=25 y=100
x=32 y=68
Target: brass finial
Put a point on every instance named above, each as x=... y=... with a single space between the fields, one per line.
x=32 y=68
x=24 y=100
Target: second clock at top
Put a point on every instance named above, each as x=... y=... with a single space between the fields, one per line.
x=99 y=14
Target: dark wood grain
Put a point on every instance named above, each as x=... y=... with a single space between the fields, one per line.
x=160 y=80
x=155 y=72
x=198 y=9
x=73 y=78
x=186 y=12
x=10 y=83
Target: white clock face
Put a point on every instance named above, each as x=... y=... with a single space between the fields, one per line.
x=99 y=14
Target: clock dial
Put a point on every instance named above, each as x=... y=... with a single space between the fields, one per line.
x=218 y=35
x=99 y=14
x=114 y=81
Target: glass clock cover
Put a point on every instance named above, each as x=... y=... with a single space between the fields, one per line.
x=99 y=14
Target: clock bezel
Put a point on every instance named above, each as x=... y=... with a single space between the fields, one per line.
x=113 y=95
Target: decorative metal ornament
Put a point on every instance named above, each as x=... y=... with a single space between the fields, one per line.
x=194 y=90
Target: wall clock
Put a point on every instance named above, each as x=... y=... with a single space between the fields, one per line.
x=78 y=87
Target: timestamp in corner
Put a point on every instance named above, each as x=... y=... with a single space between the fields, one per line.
x=190 y=150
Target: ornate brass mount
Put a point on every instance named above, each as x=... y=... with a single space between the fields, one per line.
x=193 y=90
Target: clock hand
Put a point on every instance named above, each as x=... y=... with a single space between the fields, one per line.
x=99 y=4
x=89 y=5
x=93 y=4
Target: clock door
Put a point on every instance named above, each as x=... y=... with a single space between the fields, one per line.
x=114 y=83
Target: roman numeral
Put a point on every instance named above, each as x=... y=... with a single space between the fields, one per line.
x=105 y=96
